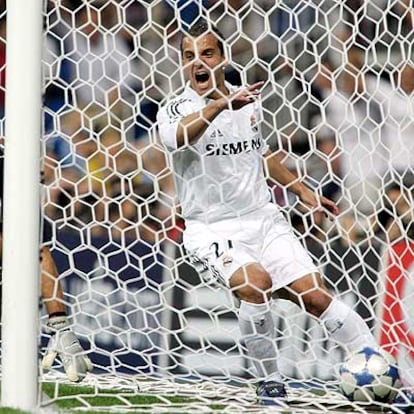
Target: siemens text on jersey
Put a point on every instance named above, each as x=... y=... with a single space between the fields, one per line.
x=233 y=148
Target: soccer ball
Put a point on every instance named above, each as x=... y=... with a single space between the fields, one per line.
x=369 y=376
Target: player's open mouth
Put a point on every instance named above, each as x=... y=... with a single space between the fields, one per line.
x=202 y=77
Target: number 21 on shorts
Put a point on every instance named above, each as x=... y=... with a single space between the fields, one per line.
x=221 y=248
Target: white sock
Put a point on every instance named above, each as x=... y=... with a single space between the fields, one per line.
x=347 y=327
x=257 y=329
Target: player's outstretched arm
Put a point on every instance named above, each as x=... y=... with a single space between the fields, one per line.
x=191 y=127
x=63 y=343
x=281 y=175
x=51 y=287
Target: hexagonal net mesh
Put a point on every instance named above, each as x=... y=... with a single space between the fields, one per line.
x=336 y=108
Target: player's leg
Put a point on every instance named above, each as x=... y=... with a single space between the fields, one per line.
x=253 y=285
x=343 y=324
x=295 y=277
x=250 y=282
x=232 y=265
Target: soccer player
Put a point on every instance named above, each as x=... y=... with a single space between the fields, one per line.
x=63 y=342
x=233 y=230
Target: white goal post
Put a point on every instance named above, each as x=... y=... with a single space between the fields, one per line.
x=338 y=110
x=20 y=280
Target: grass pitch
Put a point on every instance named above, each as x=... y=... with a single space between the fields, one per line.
x=133 y=395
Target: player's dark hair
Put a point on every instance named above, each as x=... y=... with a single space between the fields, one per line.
x=200 y=27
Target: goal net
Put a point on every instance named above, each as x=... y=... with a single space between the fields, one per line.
x=338 y=110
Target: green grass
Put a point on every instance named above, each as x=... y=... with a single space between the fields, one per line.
x=72 y=397
x=5 y=410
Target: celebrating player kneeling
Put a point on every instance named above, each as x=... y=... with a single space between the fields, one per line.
x=232 y=227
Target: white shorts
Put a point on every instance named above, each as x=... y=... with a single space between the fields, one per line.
x=263 y=236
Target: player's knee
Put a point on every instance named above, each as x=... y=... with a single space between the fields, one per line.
x=310 y=293
x=316 y=302
x=255 y=285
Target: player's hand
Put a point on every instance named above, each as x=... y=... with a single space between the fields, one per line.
x=312 y=200
x=64 y=344
x=244 y=96
x=329 y=205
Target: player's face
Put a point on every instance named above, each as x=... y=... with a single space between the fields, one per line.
x=203 y=64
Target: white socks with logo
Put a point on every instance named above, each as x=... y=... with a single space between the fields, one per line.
x=346 y=327
x=256 y=324
x=257 y=329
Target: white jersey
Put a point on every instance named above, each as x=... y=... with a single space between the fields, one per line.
x=220 y=176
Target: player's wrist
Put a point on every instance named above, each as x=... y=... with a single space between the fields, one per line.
x=298 y=188
x=221 y=104
x=56 y=314
x=57 y=323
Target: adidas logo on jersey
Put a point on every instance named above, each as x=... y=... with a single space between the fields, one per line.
x=216 y=134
